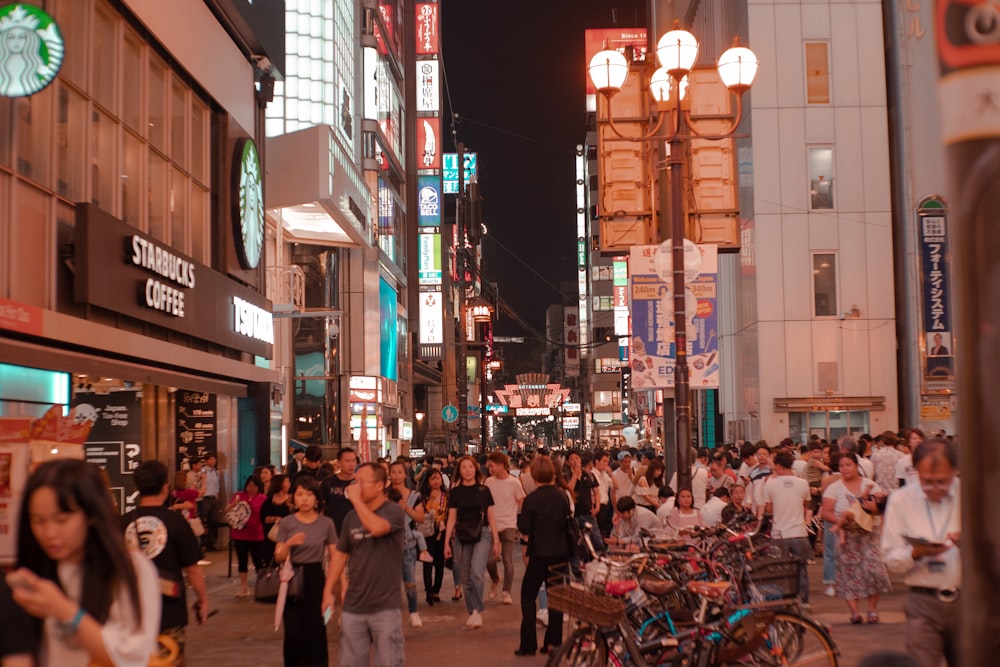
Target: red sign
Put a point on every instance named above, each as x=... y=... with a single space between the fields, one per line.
x=20 y=317
x=612 y=38
x=428 y=28
x=967 y=32
x=429 y=143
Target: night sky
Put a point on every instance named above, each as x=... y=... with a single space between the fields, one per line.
x=515 y=72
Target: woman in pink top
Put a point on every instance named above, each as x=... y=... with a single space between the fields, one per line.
x=684 y=515
x=250 y=538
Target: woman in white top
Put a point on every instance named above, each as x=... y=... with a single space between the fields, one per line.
x=98 y=602
x=647 y=486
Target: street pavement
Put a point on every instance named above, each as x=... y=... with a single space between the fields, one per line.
x=242 y=632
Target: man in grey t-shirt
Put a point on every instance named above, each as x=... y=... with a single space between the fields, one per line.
x=372 y=540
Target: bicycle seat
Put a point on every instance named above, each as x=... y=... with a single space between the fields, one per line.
x=658 y=587
x=709 y=589
x=620 y=587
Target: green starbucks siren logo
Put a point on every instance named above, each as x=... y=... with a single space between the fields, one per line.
x=31 y=50
x=250 y=204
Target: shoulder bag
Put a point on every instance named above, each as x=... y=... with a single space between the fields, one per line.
x=468 y=532
x=239 y=515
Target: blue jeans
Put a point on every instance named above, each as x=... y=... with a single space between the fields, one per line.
x=471 y=561
x=409 y=580
x=359 y=632
x=829 y=554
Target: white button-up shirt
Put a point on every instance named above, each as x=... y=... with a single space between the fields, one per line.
x=910 y=513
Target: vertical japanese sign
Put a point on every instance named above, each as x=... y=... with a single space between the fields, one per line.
x=935 y=269
x=428 y=28
x=653 y=352
x=428 y=86
x=429 y=143
x=571 y=337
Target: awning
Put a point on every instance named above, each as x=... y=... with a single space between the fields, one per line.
x=829 y=404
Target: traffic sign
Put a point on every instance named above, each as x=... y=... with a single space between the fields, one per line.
x=449 y=414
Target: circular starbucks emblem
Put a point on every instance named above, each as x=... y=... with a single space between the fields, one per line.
x=250 y=205
x=31 y=50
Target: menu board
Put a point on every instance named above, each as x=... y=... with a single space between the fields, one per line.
x=114 y=440
x=195 y=425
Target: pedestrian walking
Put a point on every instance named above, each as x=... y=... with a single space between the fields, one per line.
x=166 y=538
x=786 y=499
x=472 y=525
x=435 y=501
x=409 y=502
x=248 y=540
x=920 y=540
x=97 y=601
x=208 y=505
x=543 y=521
x=371 y=545
x=276 y=507
x=508 y=494
x=305 y=537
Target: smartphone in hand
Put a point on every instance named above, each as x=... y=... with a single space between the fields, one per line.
x=921 y=542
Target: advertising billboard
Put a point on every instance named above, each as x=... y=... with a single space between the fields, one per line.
x=389 y=332
x=429 y=201
x=935 y=270
x=428 y=28
x=431 y=313
x=653 y=351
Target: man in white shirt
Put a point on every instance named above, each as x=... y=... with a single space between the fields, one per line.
x=920 y=539
x=711 y=513
x=630 y=521
x=508 y=494
x=623 y=475
x=605 y=491
x=786 y=498
x=699 y=478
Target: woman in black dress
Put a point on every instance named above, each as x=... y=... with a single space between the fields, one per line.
x=543 y=520
x=277 y=506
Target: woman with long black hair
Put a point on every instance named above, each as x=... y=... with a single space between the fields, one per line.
x=98 y=602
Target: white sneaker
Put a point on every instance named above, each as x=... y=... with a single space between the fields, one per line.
x=494 y=589
x=475 y=620
x=830 y=592
x=425 y=557
x=506 y=598
x=416 y=621
x=542 y=617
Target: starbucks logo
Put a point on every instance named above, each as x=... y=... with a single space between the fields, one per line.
x=31 y=50
x=250 y=205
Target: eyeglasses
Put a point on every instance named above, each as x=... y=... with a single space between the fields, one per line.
x=935 y=483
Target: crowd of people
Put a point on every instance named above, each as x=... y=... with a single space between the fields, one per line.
x=113 y=591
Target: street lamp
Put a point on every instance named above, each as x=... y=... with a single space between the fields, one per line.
x=677 y=52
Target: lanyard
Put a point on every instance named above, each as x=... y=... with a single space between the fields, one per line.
x=938 y=535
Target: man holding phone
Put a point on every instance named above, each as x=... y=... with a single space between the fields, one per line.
x=920 y=539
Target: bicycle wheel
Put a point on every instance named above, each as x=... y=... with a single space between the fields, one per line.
x=584 y=648
x=797 y=641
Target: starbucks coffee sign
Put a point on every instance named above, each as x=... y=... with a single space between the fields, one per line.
x=31 y=50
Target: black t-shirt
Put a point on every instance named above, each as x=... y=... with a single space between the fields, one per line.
x=18 y=634
x=470 y=501
x=167 y=539
x=584 y=494
x=543 y=520
x=269 y=509
x=335 y=503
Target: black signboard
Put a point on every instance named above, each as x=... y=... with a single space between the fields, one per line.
x=195 y=425
x=126 y=271
x=113 y=443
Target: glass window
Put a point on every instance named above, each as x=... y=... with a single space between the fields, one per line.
x=820 y=177
x=71 y=124
x=199 y=140
x=29 y=246
x=74 y=65
x=103 y=65
x=157 y=103
x=103 y=175
x=825 y=284
x=817 y=73
x=178 y=123
x=199 y=223
x=32 y=135
x=131 y=179
x=156 y=214
x=6 y=107
x=178 y=210
x=132 y=83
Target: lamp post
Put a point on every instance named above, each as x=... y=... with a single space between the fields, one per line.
x=677 y=51
x=481 y=312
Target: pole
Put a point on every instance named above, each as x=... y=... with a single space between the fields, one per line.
x=482 y=398
x=462 y=398
x=682 y=399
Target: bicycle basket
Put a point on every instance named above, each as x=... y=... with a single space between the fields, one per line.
x=775 y=578
x=594 y=608
x=746 y=631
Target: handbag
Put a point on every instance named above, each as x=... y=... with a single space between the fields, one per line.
x=239 y=515
x=265 y=589
x=197 y=527
x=273 y=533
x=862 y=519
x=468 y=533
x=429 y=527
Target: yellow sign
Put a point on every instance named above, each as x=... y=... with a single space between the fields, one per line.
x=940 y=412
